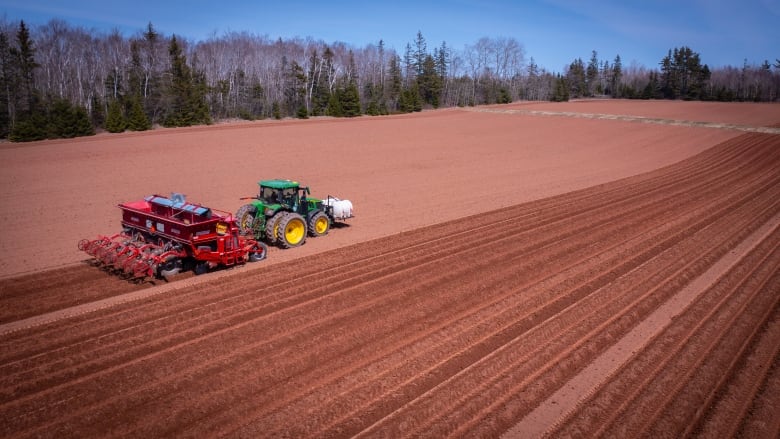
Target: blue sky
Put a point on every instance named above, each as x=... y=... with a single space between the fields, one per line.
x=553 y=32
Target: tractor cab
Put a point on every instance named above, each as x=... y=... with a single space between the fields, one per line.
x=287 y=193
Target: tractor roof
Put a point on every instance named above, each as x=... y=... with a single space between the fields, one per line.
x=279 y=184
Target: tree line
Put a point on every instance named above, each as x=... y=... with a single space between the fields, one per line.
x=63 y=81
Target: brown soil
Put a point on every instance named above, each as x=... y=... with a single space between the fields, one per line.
x=506 y=274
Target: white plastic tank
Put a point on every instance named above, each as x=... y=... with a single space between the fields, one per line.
x=342 y=209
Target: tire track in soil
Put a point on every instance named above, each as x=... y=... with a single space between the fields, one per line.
x=413 y=326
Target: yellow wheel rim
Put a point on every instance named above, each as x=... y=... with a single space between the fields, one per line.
x=294 y=231
x=321 y=225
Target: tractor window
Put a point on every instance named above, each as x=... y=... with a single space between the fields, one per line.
x=270 y=194
x=288 y=197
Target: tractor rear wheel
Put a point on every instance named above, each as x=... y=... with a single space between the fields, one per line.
x=292 y=230
x=272 y=227
x=245 y=219
x=319 y=224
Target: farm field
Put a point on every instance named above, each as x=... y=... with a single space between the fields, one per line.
x=507 y=274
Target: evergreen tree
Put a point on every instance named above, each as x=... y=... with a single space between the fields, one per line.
x=373 y=95
x=575 y=77
x=561 y=91
x=653 y=88
x=617 y=74
x=683 y=75
x=186 y=103
x=429 y=82
x=82 y=126
x=591 y=75
x=67 y=121
x=396 y=82
x=115 y=120
x=334 y=104
x=137 y=120
x=350 y=100
x=295 y=88
x=322 y=91
x=24 y=61
x=29 y=120
x=98 y=113
x=30 y=126
x=443 y=60
x=668 y=76
x=276 y=110
x=5 y=86
x=420 y=53
x=504 y=97
x=410 y=99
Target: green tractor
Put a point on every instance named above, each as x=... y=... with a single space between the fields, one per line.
x=283 y=214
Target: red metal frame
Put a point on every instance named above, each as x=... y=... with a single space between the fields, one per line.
x=158 y=230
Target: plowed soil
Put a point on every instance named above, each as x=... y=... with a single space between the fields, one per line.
x=522 y=275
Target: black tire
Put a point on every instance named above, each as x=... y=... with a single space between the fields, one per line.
x=170 y=267
x=201 y=268
x=291 y=231
x=258 y=253
x=271 y=227
x=245 y=219
x=319 y=224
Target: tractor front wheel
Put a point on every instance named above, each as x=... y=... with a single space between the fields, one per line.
x=292 y=230
x=319 y=224
x=245 y=219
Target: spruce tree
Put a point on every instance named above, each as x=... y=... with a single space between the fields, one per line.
x=415 y=99
x=334 y=104
x=617 y=74
x=68 y=121
x=82 y=125
x=396 y=82
x=5 y=86
x=137 y=120
x=115 y=120
x=350 y=100
x=24 y=61
x=186 y=92
x=29 y=127
x=430 y=83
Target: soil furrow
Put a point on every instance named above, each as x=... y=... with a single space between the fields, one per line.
x=548 y=360
x=673 y=374
x=730 y=407
x=457 y=329
x=624 y=381
x=151 y=334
